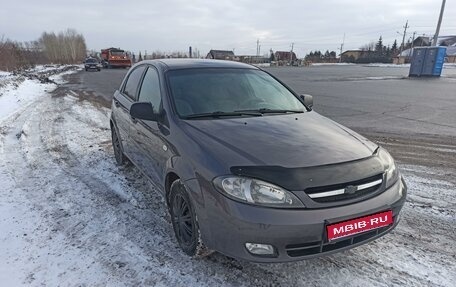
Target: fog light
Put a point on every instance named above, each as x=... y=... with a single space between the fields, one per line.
x=260 y=249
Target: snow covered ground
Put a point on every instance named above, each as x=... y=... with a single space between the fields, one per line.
x=70 y=217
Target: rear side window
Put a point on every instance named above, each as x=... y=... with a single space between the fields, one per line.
x=150 y=89
x=132 y=82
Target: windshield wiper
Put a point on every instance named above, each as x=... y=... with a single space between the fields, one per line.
x=272 y=111
x=218 y=114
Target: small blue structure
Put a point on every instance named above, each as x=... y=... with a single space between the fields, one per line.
x=427 y=61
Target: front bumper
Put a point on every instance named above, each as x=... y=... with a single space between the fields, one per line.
x=296 y=234
x=95 y=67
x=119 y=63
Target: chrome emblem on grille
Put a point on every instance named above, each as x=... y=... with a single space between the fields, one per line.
x=350 y=189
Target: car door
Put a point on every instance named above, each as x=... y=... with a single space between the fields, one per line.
x=148 y=138
x=123 y=100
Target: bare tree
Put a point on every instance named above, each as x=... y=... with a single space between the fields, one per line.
x=66 y=47
x=368 y=47
x=12 y=55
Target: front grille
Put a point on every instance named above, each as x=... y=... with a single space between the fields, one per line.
x=306 y=249
x=337 y=192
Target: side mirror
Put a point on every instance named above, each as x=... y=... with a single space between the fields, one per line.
x=307 y=100
x=143 y=111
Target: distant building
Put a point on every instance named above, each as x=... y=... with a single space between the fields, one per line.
x=448 y=41
x=451 y=54
x=354 y=55
x=422 y=41
x=250 y=59
x=285 y=56
x=220 y=55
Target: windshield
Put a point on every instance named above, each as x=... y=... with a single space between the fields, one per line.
x=117 y=53
x=218 y=91
x=91 y=61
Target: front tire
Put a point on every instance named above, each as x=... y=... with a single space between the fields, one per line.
x=185 y=223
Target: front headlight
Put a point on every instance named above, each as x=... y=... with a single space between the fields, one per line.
x=392 y=173
x=256 y=192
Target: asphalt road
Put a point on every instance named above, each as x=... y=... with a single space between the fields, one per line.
x=378 y=99
x=365 y=98
x=103 y=83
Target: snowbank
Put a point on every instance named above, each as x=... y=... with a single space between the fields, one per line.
x=13 y=99
x=382 y=65
x=333 y=64
x=262 y=65
x=17 y=91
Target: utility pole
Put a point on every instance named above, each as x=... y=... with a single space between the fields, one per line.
x=437 y=31
x=291 y=54
x=403 y=36
x=341 y=49
x=258 y=47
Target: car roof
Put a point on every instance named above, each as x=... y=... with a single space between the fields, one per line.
x=177 y=64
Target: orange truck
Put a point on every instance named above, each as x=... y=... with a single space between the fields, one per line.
x=114 y=57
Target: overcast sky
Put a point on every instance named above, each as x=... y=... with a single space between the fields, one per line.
x=173 y=25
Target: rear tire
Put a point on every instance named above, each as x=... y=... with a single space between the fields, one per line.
x=121 y=159
x=185 y=223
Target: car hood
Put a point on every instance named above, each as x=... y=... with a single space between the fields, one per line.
x=292 y=140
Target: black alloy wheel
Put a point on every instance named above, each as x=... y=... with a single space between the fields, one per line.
x=185 y=222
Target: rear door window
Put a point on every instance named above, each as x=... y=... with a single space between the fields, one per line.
x=131 y=86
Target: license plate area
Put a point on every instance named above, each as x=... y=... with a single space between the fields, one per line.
x=362 y=224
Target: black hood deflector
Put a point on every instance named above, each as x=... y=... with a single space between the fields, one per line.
x=301 y=178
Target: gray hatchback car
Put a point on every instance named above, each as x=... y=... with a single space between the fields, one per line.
x=247 y=167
